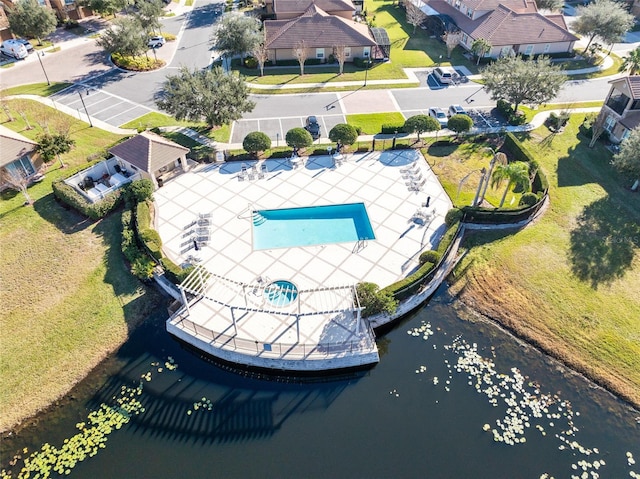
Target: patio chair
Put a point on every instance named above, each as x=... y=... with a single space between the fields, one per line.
x=263 y=171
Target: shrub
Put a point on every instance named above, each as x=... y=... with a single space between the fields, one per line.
x=152 y=241
x=453 y=216
x=429 y=256
x=69 y=196
x=138 y=64
x=141 y=190
x=460 y=123
x=375 y=300
x=255 y=142
x=143 y=216
x=344 y=134
x=528 y=199
x=298 y=138
x=250 y=62
x=142 y=268
x=391 y=128
x=173 y=272
x=420 y=124
x=504 y=107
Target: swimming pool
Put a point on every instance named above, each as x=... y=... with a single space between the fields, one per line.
x=281 y=293
x=308 y=226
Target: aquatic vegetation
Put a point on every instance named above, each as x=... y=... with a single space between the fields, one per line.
x=92 y=436
x=204 y=404
x=526 y=408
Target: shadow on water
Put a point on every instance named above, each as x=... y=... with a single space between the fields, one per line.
x=603 y=243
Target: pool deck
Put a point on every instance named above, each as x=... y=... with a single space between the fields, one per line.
x=304 y=338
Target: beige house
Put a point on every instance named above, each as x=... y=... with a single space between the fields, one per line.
x=152 y=156
x=511 y=26
x=18 y=157
x=621 y=108
x=321 y=32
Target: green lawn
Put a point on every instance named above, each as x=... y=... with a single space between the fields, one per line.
x=40 y=89
x=569 y=282
x=67 y=296
x=371 y=123
x=156 y=119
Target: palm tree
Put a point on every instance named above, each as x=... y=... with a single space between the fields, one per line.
x=631 y=62
x=516 y=174
x=480 y=47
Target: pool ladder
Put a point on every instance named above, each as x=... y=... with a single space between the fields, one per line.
x=360 y=245
x=258 y=219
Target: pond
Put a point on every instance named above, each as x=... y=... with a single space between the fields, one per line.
x=452 y=397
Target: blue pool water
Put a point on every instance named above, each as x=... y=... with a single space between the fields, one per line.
x=281 y=293
x=315 y=225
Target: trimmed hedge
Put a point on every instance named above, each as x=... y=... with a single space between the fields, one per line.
x=173 y=272
x=69 y=196
x=520 y=153
x=411 y=284
x=143 y=216
x=429 y=256
x=391 y=128
x=141 y=266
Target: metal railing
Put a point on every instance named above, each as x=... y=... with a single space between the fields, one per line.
x=365 y=344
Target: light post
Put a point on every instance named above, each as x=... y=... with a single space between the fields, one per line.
x=43 y=70
x=277 y=140
x=483 y=177
x=494 y=159
x=85 y=107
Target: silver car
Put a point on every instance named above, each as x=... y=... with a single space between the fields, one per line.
x=440 y=115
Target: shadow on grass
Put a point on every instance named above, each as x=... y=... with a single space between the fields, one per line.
x=603 y=244
x=441 y=149
x=66 y=220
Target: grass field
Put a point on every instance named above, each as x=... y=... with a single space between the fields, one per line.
x=569 y=283
x=156 y=119
x=371 y=123
x=67 y=297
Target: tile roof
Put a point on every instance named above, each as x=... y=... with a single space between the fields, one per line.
x=633 y=84
x=631 y=121
x=13 y=146
x=318 y=29
x=504 y=26
x=301 y=6
x=148 y=152
x=515 y=5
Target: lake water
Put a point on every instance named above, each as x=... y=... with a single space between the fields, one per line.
x=451 y=398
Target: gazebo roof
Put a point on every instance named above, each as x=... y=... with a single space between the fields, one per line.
x=148 y=152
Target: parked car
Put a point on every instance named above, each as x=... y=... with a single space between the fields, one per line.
x=156 y=42
x=13 y=48
x=440 y=115
x=312 y=126
x=445 y=74
x=27 y=44
x=456 y=110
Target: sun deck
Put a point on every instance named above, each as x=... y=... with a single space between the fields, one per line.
x=225 y=313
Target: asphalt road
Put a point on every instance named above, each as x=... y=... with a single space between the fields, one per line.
x=117 y=96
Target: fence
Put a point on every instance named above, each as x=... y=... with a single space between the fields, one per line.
x=365 y=344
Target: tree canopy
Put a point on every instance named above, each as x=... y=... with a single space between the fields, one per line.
x=460 y=123
x=480 y=47
x=237 y=34
x=298 y=138
x=631 y=62
x=552 y=5
x=627 y=160
x=420 y=124
x=256 y=141
x=523 y=81
x=212 y=95
x=149 y=13
x=125 y=37
x=29 y=19
x=344 y=134
x=54 y=145
x=516 y=174
x=606 y=19
x=375 y=300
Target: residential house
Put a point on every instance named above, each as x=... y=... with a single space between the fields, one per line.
x=511 y=26
x=621 y=108
x=18 y=156
x=64 y=9
x=288 y=9
x=320 y=31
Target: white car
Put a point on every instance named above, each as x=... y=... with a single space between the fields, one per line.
x=156 y=42
x=440 y=115
x=456 y=110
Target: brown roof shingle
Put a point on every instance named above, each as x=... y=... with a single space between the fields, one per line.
x=504 y=26
x=301 y=6
x=318 y=29
x=515 y=5
x=148 y=152
x=14 y=146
